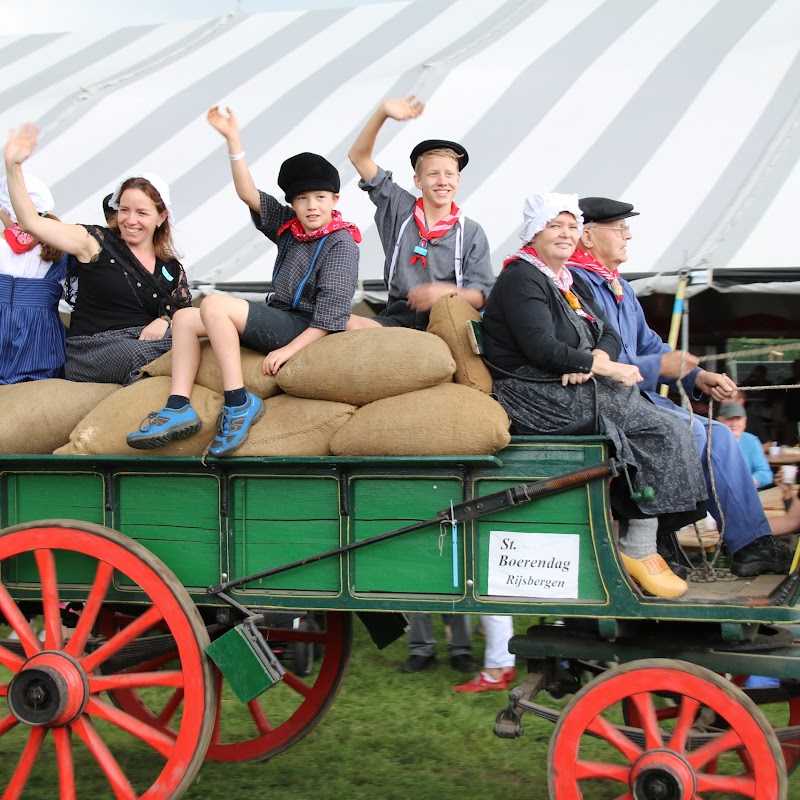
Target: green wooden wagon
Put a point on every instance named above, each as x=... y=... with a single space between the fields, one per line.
x=135 y=567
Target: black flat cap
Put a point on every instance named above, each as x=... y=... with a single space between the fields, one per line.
x=602 y=209
x=307 y=172
x=440 y=144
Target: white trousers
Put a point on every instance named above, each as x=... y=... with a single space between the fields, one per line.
x=497 y=630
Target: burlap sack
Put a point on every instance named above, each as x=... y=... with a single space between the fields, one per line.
x=445 y=420
x=449 y=319
x=295 y=426
x=38 y=416
x=103 y=430
x=210 y=375
x=359 y=367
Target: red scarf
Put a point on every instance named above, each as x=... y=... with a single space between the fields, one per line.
x=336 y=224
x=563 y=282
x=584 y=259
x=18 y=240
x=436 y=232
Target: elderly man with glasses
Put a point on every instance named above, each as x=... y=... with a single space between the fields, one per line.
x=601 y=251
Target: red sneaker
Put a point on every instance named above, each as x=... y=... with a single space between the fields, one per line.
x=481 y=683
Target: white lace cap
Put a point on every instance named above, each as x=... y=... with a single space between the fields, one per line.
x=156 y=181
x=38 y=191
x=539 y=209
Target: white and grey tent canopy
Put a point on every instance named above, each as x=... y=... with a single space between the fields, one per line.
x=690 y=109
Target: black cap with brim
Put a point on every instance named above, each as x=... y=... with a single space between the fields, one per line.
x=602 y=209
x=440 y=144
x=307 y=172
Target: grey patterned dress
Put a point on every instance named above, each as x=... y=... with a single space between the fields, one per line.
x=659 y=446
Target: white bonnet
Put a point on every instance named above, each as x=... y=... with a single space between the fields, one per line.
x=156 y=181
x=539 y=209
x=37 y=189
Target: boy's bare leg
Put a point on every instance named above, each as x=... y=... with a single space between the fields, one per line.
x=224 y=319
x=187 y=328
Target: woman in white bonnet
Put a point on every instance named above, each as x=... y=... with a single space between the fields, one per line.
x=124 y=281
x=31 y=285
x=548 y=340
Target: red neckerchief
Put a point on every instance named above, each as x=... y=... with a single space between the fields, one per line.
x=584 y=259
x=18 y=240
x=563 y=281
x=336 y=224
x=436 y=232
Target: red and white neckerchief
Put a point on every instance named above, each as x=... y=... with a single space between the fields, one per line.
x=563 y=281
x=584 y=259
x=336 y=224
x=18 y=240
x=436 y=232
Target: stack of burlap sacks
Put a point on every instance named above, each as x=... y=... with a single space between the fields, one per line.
x=385 y=391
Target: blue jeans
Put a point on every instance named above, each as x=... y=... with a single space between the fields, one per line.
x=745 y=520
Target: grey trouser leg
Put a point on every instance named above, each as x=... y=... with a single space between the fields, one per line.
x=421 y=641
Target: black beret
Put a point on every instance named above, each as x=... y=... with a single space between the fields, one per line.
x=307 y=172
x=440 y=144
x=601 y=209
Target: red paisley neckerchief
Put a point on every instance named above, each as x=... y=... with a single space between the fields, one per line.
x=583 y=258
x=336 y=224
x=18 y=240
x=436 y=232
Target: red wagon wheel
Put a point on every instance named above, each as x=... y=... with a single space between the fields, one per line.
x=271 y=723
x=669 y=759
x=54 y=689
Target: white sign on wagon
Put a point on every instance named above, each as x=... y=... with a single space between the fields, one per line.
x=534 y=564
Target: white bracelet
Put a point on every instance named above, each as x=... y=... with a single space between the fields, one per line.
x=236 y=157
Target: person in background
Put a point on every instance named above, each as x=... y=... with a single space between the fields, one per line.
x=125 y=282
x=603 y=248
x=422 y=643
x=734 y=417
x=430 y=247
x=32 y=335
x=498 y=664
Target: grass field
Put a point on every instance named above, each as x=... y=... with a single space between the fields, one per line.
x=388 y=736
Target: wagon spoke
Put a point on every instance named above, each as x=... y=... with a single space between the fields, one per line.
x=643 y=702
x=172 y=705
x=161 y=742
x=151 y=665
x=742 y=785
x=14 y=617
x=66 y=765
x=91 y=608
x=97 y=747
x=686 y=717
x=301 y=687
x=11 y=661
x=699 y=758
x=26 y=762
x=124 y=636
x=259 y=717
x=54 y=636
x=130 y=680
x=601 y=727
x=597 y=769
x=7 y=723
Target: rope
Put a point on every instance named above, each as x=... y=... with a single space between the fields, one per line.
x=777 y=350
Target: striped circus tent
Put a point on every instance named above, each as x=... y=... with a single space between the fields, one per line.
x=687 y=108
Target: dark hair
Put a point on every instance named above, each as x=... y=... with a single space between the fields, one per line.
x=48 y=252
x=162 y=237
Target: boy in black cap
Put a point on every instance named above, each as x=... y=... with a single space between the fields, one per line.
x=315 y=277
x=431 y=248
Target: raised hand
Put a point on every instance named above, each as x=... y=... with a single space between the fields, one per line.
x=402 y=108
x=21 y=143
x=226 y=123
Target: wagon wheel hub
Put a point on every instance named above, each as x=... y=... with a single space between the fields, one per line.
x=663 y=775
x=50 y=690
